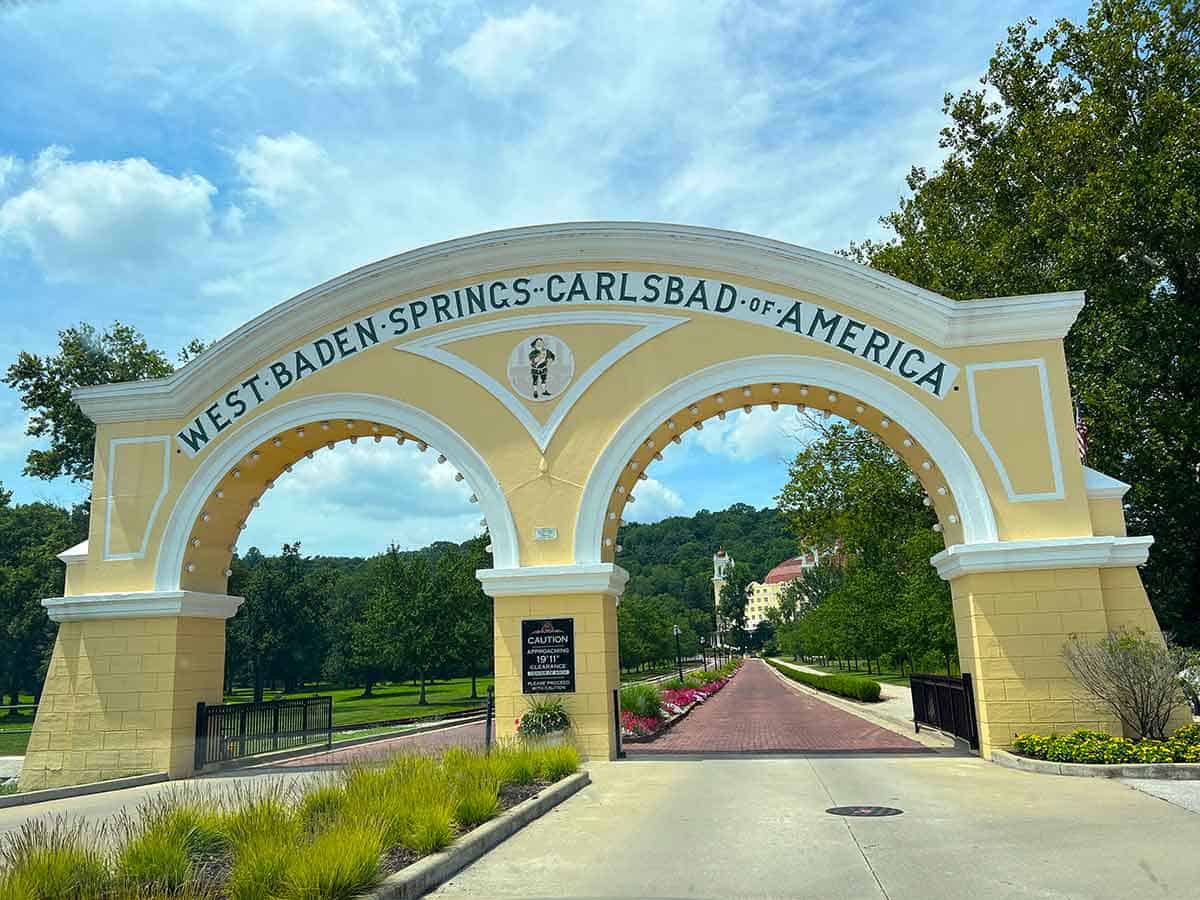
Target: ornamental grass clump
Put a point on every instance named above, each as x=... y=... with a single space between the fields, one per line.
x=327 y=839
x=167 y=841
x=556 y=763
x=340 y=863
x=52 y=860
x=642 y=700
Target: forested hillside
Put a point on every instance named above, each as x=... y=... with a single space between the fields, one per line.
x=670 y=568
x=674 y=556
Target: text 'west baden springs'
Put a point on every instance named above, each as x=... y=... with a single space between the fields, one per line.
x=919 y=366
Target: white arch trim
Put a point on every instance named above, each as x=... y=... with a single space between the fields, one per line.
x=960 y=474
x=367 y=407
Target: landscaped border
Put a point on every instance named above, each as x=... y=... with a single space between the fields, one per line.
x=431 y=871
x=1168 y=771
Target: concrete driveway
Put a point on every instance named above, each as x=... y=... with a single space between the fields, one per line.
x=757 y=828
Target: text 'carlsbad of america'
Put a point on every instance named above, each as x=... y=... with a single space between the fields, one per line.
x=811 y=321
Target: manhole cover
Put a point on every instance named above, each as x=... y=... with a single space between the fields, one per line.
x=867 y=812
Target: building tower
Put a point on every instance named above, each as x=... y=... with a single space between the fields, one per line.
x=722 y=562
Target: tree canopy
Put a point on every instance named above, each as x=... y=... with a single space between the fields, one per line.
x=1076 y=165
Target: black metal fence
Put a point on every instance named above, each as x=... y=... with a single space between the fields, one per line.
x=947 y=704
x=235 y=730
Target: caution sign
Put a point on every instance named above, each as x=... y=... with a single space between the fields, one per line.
x=548 y=656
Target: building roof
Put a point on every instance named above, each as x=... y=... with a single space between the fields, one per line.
x=788 y=570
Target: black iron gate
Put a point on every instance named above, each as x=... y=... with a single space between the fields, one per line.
x=947 y=704
x=234 y=730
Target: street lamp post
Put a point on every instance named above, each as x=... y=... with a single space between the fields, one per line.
x=678 y=655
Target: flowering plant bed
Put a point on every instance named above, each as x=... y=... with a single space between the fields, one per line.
x=647 y=712
x=1084 y=746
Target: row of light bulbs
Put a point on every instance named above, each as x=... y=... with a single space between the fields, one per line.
x=301 y=432
x=747 y=392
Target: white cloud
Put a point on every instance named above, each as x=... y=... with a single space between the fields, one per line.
x=81 y=220
x=654 y=501
x=283 y=170
x=10 y=166
x=506 y=54
x=762 y=434
x=358 y=498
x=335 y=43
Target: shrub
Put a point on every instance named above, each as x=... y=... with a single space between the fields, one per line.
x=339 y=864
x=555 y=763
x=1134 y=676
x=155 y=859
x=259 y=868
x=515 y=764
x=320 y=805
x=429 y=827
x=544 y=716
x=643 y=700
x=1189 y=734
x=844 y=685
x=475 y=804
x=255 y=814
x=1083 y=746
x=51 y=860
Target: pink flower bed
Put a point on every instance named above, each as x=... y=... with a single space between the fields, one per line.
x=675 y=701
x=638 y=726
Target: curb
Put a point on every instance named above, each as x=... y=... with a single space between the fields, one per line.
x=436 y=869
x=80 y=790
x=1162 y=771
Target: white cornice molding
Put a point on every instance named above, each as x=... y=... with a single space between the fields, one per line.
x=1099 y=486
x=937 y=319
x=73 y=556
x=531 y=581
x=141 y=605
x=1051 y=553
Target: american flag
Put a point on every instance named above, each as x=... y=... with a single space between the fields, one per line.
x=1081 y=432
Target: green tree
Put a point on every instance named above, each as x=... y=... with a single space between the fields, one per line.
x=1075 y=166
x=277 y=625
x=878 y=596
x=84 y=358
x=733 y=600
x=474 y=646
x=30 y=537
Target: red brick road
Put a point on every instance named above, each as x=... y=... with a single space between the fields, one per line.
x=758 y=713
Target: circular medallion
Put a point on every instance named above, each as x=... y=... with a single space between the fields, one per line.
x=540 y=367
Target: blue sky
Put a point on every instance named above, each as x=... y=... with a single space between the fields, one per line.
x=183 y=165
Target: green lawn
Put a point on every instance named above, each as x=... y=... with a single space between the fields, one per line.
x=390 y=701
x=14 y=729
x=885 y=678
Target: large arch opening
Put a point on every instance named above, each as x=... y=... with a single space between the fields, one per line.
x=201 y=533
x=900 y=421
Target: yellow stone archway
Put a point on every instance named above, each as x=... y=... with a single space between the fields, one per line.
x=656 y=328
